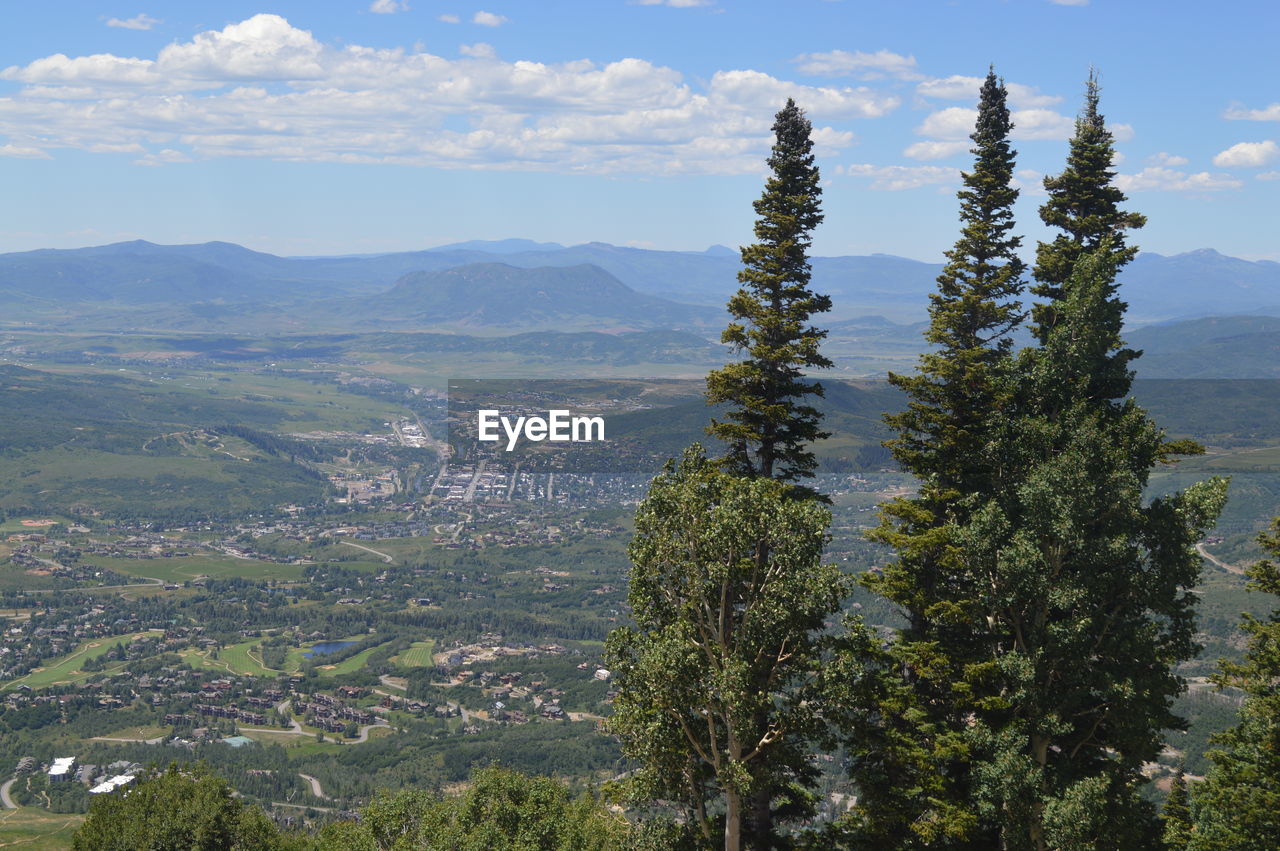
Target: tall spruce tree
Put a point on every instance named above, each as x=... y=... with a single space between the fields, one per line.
x=719 y=682
x=1237 y=807
x=768 y=424
x=1047 y=602
x=1085 y=205
x=1084 y=591
x=918 y=795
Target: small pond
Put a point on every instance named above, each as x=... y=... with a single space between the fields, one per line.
x=324 y=648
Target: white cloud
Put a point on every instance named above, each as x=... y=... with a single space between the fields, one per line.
x=894 y=178
x=388 y=7
x=1160 y=179
x=954 y=122
x=1248 y=155
x=1070 y=2
x=868 y=66
x=488 y=19
x=1042 y=124
x=163 y=157
x=1270 y=113
x=935 y=150
x=24 y=153
x=1268 y=175
x=265 y=47
x=1163 y=158
x=137 y=22
x=1030 y=182
x=676 y=4
x=960 y=87
x=479 y=50
x=263 y=88
x=449 y=19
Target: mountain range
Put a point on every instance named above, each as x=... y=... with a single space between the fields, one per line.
x=518 y=284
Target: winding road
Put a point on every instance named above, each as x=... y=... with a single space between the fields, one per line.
x=4 y=794
x=1230 y=568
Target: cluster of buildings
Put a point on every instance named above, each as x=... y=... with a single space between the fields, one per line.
x=331 y=714
x=100 y=779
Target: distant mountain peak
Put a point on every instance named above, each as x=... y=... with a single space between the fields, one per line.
x=500 y=246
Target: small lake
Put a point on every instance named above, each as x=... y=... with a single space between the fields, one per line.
x=324 y=648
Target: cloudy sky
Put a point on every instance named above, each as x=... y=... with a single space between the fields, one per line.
x=355 y=126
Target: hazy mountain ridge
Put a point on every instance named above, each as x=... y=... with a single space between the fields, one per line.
x=221 y=282
x=503 y=296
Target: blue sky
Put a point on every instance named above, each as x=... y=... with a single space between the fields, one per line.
x=381 y=125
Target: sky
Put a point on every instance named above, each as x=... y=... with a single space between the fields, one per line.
x=362 y=126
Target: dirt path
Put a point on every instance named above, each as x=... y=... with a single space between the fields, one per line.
x=1230 y=568
x=151 y=582
x=154 y=741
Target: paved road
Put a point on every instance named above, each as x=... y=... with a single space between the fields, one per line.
x=283 y=708
x=4 y=793
x=388 y=559
x=470 y=494
x=315 y=786
x=1230 y=568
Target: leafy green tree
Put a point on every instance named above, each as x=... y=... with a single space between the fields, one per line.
x=913 y=783
x=502 y=810
x=180 y=808
x=1237 y=807
x=1085 y=205
x=718 y=695
x=1176 y=815
x=768 y=425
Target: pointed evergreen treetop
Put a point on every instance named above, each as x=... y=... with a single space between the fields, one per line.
x=971 y=315
x=767 y=426
x=1085 y=205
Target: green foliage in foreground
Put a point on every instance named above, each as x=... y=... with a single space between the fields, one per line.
x=192 y=810
x=177 y=809
x=718 y=684
x=502 y=809
x=1238 y=807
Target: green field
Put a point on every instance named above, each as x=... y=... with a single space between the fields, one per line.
x=179 y=570
x=239 y=659
x=67 y=668
x=14 y=526
x=418 y=655
x=244 y=659
x=347 y=666
x=33 y=829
